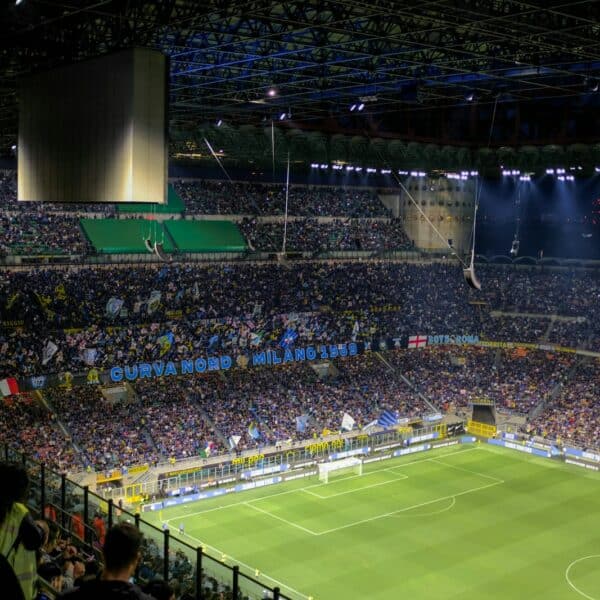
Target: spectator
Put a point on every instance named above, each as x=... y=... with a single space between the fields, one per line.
x=20 y=536
x=122 y=553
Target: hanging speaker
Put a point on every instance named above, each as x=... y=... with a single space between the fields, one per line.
x=471 y=278
x=160 y=252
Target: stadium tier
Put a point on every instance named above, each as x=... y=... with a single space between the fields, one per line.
x=206 y=236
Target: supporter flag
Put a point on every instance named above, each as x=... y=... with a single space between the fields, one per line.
x=417 y=341
x=11 y=300
x=88 y=355
x=165 y=342
x=387 y=419
x=212 y=342
x=113 y=307
x=256 y=338
x=288 y=338
x=355 y=330
x=370 y=426
x=9 y=386
x=253 y=431
x=210 y=448
x=301 y=422
x=234 y=440
x=48 y=352
x=154 y=301
x=326 y=432
x=347 y=422
x=59 y=292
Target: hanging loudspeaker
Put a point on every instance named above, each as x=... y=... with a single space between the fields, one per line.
x=471 y=278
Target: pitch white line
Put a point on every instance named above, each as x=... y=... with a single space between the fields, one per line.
x=250 y=569
x=360 y=489
x=308 y=487
x=439 y=462
x=290 y=523
x=434 y=512
x=569 y=579
x=401 y=510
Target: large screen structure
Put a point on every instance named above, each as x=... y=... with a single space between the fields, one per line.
x=95 y=131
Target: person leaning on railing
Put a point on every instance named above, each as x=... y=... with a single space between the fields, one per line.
x=20 y=536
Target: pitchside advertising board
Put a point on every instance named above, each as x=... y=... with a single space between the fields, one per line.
x=271 y=357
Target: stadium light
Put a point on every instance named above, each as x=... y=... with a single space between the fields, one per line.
x=361 y=106
x=18 y=2
x=13 y=147
x=352 y=107
x=358 y=169
x=219 y=123
x=597 y=169
x=314 y=166
x=323 y=166
x=402 y=172
x=386 y=171
x=282 y=116
x=272 y=92
x=549 y=171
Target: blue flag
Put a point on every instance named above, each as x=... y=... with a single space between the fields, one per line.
x=301 y=422
x=387 y=419
x=288 y=338
x=253 y=431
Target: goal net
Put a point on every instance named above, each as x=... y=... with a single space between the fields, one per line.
x=340 y=467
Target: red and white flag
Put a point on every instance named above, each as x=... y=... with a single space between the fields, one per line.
x=9 y=386
x=417 y=341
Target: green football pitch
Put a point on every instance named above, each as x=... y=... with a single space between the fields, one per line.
x=468 y=522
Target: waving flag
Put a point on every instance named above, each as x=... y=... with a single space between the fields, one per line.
x=154 y=301
x=253 y=431
x=288 y=338
x=347 y=422
x=9 y=386
x=234 y=440
x=48 y=352
x=165 y=342
x=301 y=422
x=387 y=419
x=114 y=306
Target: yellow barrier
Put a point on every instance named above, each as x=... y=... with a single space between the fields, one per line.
x=481 y=429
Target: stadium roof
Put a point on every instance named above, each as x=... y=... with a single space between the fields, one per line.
x=410 y=69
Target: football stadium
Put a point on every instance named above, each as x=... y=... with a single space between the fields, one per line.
x=299 y=300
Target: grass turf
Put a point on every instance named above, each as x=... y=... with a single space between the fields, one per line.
x=468 y=522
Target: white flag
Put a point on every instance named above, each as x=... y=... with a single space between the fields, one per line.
x=48 y=352
x=234 y=440
x=347 y=422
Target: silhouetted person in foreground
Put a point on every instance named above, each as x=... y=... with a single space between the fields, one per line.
x=122 y=553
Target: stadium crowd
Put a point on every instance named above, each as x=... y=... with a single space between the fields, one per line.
x=223 y=197
x=304 y=235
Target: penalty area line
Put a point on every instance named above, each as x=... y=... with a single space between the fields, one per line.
x=407 y=508
x=250 y=568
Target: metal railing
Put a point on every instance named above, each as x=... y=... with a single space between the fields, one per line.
x=54 y=496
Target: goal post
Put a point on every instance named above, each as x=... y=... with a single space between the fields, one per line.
x=340 y=467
